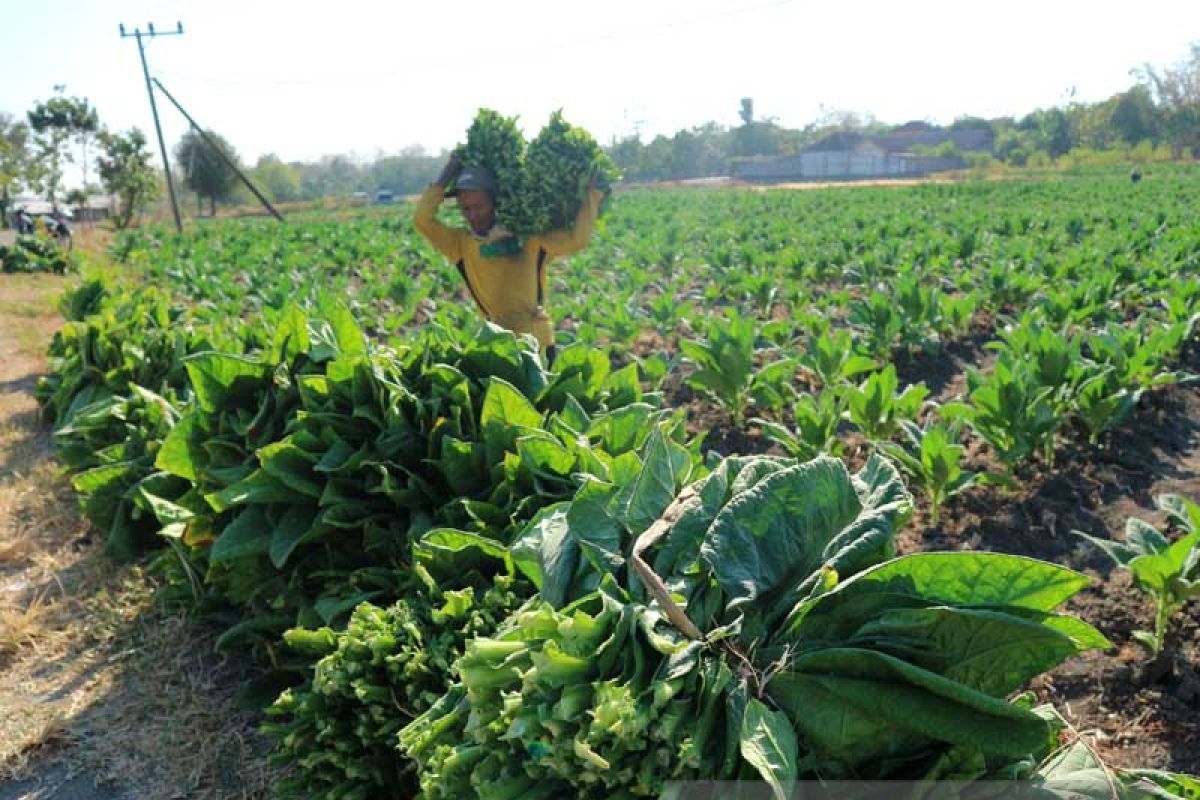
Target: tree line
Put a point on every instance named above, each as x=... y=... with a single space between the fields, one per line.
x=1157 y=117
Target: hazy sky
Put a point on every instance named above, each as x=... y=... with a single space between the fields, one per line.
x=305 y=78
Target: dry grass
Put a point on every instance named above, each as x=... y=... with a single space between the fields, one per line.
x=140 y=700
x=110 y=683
x=91 y=238
x=95 y=676
x=38 y=570
x=28 y=303
x=21 y=622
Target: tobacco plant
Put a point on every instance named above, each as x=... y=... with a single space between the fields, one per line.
x=1101 y=402
x=817 y=418
x=831 y=357
x=1167 y=571
x=1054 y=354
x=931 y=456
x=880 y=322
x=877 y=406
x=1138 y=354
x=337 y=731
x=1011 y=410
x=920 y=310
x=34 y=253
x=725 y=359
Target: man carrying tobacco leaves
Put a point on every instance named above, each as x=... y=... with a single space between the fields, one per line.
x=506 y=275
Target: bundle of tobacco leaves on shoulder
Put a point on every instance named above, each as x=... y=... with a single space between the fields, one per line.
x=542 y=183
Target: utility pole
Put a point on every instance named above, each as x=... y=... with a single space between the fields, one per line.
x=151 y=33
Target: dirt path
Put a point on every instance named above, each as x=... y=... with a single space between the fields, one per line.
x=38 y=523
x=103 y=695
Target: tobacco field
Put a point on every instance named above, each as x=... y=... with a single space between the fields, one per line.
x=851 y=483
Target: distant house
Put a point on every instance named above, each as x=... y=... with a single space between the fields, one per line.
x=96 y=207
x=847 y=155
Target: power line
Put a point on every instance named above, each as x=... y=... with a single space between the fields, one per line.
x=404 y=67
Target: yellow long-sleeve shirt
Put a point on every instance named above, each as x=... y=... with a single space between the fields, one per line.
x=509 y=289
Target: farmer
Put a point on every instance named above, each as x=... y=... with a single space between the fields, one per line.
x=506 y=276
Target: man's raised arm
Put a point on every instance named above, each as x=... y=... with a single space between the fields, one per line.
x=425 y=219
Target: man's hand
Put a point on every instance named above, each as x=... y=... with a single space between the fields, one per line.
x=453 y=166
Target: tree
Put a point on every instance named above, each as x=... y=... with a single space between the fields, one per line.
x=655 y=159
x=947 y=149
x=755 y=137
x=1050 y=129
x=968 y=122
x=627 y=154
x=747 y=110
x=126 y=171
x=1095 y=129
x=687 y=155
x=832 y=120
x=699 y=152
x=407 y=173
x=56 y=121
x=84 y=127
x=1012 y=145
x=1133 y=115
x=332 y=176
x=15 y=161
x=1176 y=92
x=204 y=171
x=275 y=179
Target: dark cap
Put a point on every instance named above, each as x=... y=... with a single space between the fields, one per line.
x=474 y=179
